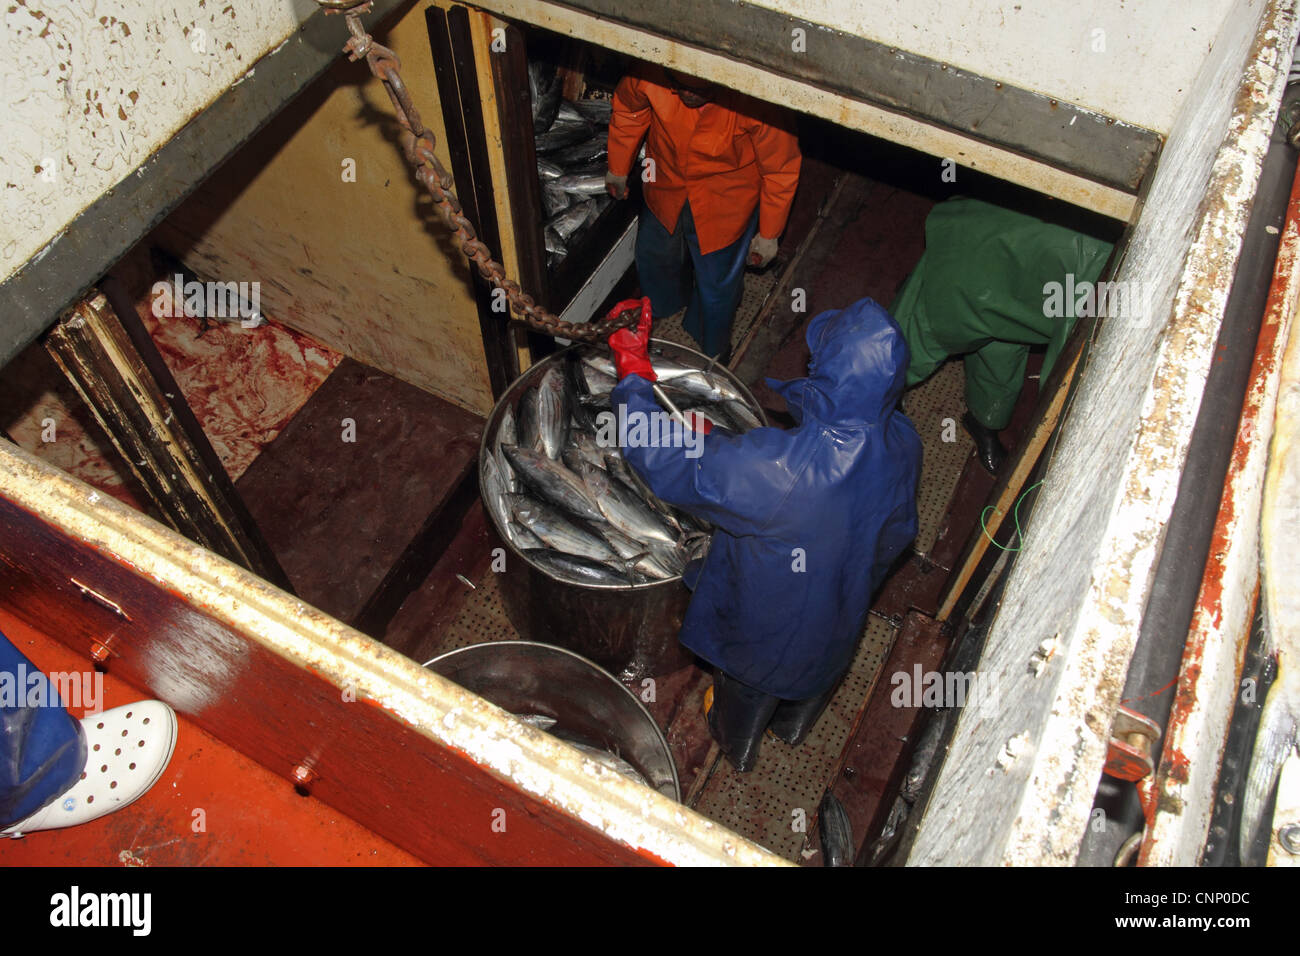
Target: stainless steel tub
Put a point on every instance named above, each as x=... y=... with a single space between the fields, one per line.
x=629 y=630
x=587 y=704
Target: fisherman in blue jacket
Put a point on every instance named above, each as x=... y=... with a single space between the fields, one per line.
x=808 y=521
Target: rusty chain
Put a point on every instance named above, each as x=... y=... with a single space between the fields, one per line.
x=418 y=144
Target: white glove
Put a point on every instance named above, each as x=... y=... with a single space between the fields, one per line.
x=762 y=251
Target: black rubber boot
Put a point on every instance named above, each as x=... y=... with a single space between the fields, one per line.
x=795 y=719
x=739 y=716
x=987 y=447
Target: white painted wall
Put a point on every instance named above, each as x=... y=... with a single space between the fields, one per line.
x=1150 y=50
x=1017 y=788
x=91 y=89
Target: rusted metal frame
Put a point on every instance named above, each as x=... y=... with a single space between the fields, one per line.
x=326 y=739
x=32 y=298
x=410 y=755
x=1187 y=539
x=1033 y=124
x=417 y=560
x=1225 y=603
x=453 y=61
x=116 y=373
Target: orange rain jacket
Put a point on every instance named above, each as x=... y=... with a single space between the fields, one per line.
x=726 y=157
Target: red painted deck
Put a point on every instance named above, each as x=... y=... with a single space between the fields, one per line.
x=212 y=807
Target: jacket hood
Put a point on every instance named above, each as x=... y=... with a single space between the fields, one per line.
x=857 y=369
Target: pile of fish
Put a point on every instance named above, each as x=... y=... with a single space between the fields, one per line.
x=568 y=501
x=571 y=140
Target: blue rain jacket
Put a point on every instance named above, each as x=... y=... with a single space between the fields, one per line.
x=808 y=520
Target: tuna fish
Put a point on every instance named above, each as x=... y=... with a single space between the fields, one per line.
x=595 y=111
x=596 y=147
x=522 y=538
x=553 y=410
x=685 y=378
x=495 y=491
x=544 y=91
x=527 y=425
x=623 y=509
x=562 y=135
x=836 y=832
x=592 y=185
x=568 y=113
x=572 y=219
x=575 y=567
x=557 y=531
x=553 y=482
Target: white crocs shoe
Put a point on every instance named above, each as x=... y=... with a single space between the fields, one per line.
x=127 y=750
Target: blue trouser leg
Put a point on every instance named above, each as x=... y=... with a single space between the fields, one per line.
x=42 y=747
x=719 y=282
x=663 y=264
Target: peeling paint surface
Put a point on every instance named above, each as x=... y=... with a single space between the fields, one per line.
x=93 y=89
x=1090 y=552
x=1216 y=642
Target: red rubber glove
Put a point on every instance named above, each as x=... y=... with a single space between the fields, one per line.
x=631 y=349
x=698 y=423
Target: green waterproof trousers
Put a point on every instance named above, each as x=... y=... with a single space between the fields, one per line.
x=983 y=290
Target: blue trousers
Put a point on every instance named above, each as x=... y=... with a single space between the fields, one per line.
x=42 y=747
x=674 y=274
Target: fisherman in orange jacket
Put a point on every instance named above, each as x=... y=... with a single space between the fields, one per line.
x=719 y=175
